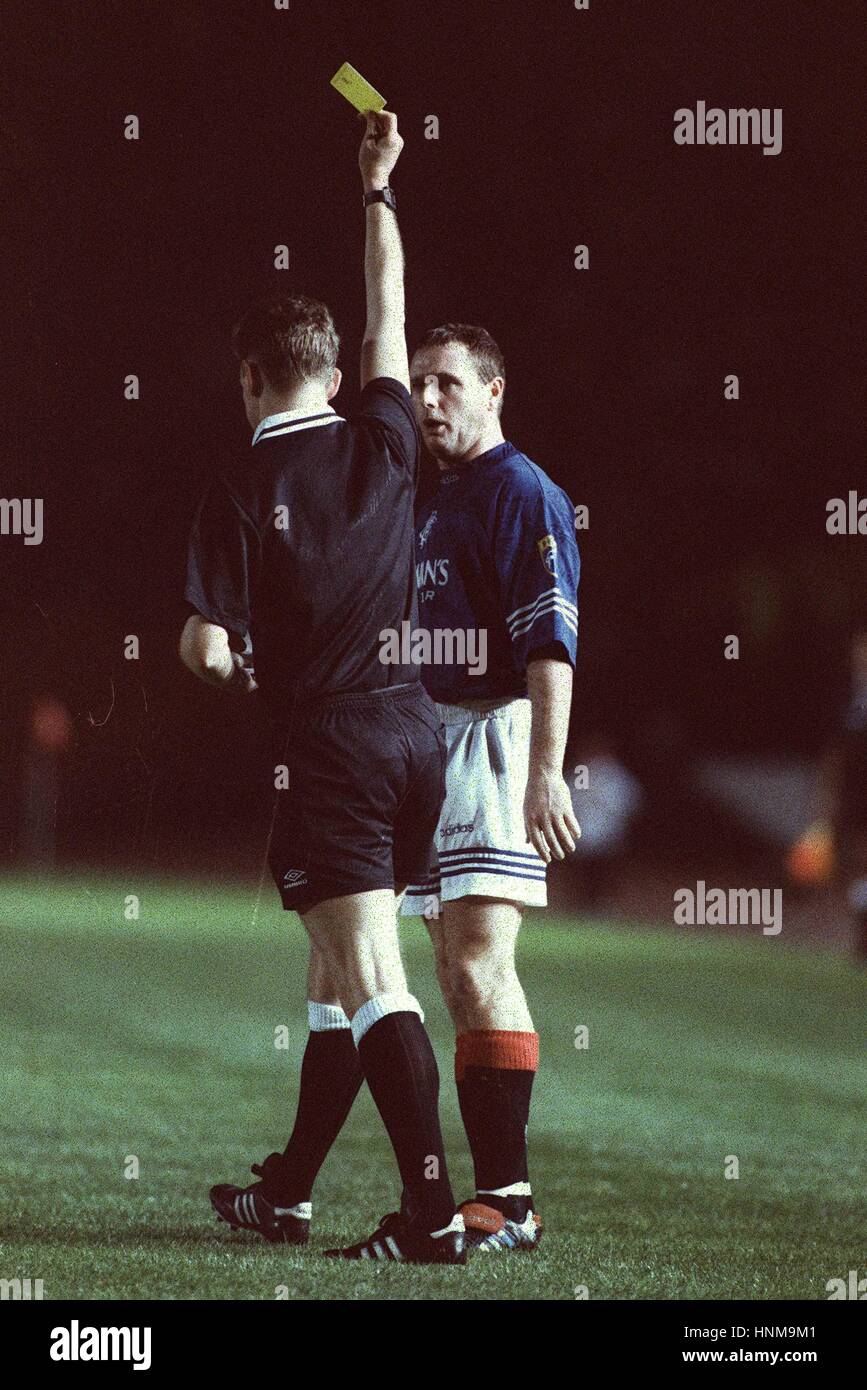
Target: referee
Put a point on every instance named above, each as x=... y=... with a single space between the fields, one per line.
x=303 y=553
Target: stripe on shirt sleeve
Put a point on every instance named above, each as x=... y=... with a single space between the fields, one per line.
x=551 y=601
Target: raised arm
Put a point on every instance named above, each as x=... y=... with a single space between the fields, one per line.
x=383 y=352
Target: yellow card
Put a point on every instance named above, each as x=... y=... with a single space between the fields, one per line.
x=356 y=90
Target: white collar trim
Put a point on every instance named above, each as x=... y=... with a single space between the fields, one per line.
x=299 y=418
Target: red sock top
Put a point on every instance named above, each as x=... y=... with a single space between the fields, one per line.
x=497 y=1048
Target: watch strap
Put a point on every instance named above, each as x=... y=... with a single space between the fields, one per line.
x=381 y=195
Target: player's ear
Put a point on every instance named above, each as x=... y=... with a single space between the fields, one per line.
x=334 y=386
x=497 y=386
x=252 y=379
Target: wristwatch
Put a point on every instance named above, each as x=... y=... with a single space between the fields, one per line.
x=381 y=195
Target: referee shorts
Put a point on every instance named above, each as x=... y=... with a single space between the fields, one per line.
x=365 y=782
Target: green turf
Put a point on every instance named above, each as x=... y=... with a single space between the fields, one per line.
x=155 y=1038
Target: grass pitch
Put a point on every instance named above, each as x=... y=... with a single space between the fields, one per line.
x=156 y=1039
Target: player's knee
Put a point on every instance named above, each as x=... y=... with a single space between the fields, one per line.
x=476 y=980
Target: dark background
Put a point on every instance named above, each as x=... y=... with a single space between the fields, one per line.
x=707 y=517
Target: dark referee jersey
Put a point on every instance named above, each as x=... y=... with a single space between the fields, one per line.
x=305 y=544
x=496 y=550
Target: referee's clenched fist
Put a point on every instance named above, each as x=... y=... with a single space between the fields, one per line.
x=381 y=145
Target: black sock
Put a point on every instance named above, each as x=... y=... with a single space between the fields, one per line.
x=495 y=1108
x=331 y=1078
x=402 y=1074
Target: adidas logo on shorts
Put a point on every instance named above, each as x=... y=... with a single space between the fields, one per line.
x=459 y=829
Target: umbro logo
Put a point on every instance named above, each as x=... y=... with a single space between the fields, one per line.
x=294 y=878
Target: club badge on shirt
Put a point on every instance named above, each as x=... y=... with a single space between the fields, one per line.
x=547 y=548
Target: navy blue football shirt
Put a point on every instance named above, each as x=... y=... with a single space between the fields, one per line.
x=495 y=552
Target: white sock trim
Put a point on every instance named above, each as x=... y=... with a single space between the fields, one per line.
x=456 y=1224
x=380 y=1007
x=323 y=1018
x=515 y=1189
x=304 y=1210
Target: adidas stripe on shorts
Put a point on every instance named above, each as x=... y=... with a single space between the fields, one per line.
x=481 y=844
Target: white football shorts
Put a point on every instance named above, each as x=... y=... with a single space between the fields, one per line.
x=482 y=847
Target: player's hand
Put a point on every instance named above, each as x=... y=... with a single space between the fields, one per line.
x=548 y=815
x=242 y=681
x=380 y=148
